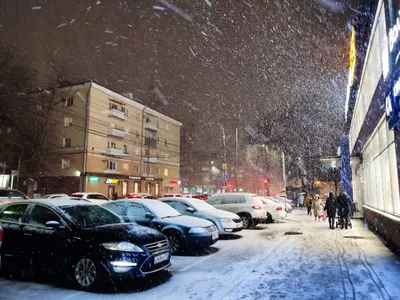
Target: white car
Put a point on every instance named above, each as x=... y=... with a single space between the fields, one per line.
x=95 y=198
x=52 y=196
x=284 y=203
x=275 y=210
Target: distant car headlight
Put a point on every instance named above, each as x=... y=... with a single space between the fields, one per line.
x=198 y=230
x=224 y=220
x=122 y=246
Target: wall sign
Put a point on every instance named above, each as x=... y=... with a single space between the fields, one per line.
x=94 y=179
x=112 y=181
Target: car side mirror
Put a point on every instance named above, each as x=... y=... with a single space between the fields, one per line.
x=190 y=209
x=149 y=216
x=53 y=224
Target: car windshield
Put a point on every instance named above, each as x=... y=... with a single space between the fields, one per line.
x=200 y=205
x=84 y=216
x=162 y=210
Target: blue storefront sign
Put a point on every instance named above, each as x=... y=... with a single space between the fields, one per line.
x=392 y=103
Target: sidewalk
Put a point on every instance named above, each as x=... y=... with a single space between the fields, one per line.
x=323 y=264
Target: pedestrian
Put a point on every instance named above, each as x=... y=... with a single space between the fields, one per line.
x=115 y=196
x=308 y=203
x=318 y=207
x=330 y=208
x=344 y=204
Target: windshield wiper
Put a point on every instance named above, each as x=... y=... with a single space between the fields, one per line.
x=167 y=217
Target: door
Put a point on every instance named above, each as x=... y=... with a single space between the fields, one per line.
x=111 y=191
x=45 y=246
x=138 y=212
x=11 y=220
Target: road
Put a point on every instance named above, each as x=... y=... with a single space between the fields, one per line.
x=263 y=263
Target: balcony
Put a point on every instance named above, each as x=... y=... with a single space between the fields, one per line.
x=113 y=151
x=116 y=113
x=117 y=132
x=149 y=142
x=150 y=127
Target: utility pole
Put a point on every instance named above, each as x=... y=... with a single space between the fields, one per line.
x=284 y=176
x=141 y=149
x=19 y=170
x=224 y=166
x=237 y=159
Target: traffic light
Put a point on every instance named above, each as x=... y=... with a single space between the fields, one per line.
x=266 y=181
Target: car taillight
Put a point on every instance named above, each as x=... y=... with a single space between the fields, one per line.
x=1 y=234
x=279 y=208
x=256 y=206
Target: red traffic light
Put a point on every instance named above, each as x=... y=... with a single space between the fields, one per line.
x=266 y=180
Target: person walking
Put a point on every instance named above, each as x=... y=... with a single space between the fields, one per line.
x=344 y=208
x=300 y=200
x=318 y=207
x=330 y=208
x=308 y=203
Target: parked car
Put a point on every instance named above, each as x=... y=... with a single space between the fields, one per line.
x=95 y=198
x=288 y=207
x=1 y=241
x=274 y=209
x=247 y=206
x=82 y=241
x=183 y=232
x=172 y=195
x=11 y=195
x=52 y=196
x=225 y=221
x=140 y=196
x=190 y=196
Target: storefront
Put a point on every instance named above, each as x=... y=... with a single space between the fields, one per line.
x=374 y=138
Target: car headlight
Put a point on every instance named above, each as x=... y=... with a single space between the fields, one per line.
x=224 y=220
x=122 y=246
x=198 y=230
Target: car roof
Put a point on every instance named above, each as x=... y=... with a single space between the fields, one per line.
x=136 y=200
x=52 y=202
x=60 y=194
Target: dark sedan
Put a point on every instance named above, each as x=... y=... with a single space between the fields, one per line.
x=81 y=241
x=183 y=232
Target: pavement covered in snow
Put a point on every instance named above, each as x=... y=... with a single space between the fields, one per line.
x=263 y=263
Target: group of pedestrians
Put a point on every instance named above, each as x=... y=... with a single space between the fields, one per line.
x=342 y=205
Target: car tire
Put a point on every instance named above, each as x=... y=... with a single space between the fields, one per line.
x=269 y=218
x=86 y=273
x=176 y=241
x=247 y=220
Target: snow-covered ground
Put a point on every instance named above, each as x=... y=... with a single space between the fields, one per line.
x=263 y=264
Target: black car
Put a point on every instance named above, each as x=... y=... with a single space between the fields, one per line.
x=84 y=242
x=183 y=232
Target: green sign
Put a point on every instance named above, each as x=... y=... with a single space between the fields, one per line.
x=192 y=190
x=94 y=179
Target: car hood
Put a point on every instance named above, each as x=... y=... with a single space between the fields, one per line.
x=187 y=221
x=219 y=214
x=134 y=233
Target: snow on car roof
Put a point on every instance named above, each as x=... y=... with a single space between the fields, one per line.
x=60 y=202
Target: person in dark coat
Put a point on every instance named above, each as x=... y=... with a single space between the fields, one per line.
x=344 y=208
x=330 y=208
x=308 y=203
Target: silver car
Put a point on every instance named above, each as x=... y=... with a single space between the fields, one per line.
x=225 y=221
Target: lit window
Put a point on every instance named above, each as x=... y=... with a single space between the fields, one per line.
x=111 y=165
x=67 y=143
x=65 y=163
x=165 y=172
x=125 y=167
x=67 y=122
x=166 y=156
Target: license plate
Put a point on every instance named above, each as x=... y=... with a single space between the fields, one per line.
x=160 y=258
x=214 y=235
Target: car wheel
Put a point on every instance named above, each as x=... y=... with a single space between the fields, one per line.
x=86 y=273
x=269 y=218
x=175 y=241
x=247 y=221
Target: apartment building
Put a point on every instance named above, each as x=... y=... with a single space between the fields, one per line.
x=112 y=144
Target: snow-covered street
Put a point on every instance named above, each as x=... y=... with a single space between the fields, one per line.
x=263 y=264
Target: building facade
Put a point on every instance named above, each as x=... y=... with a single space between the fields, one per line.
x=373 y=133
x=112 y=144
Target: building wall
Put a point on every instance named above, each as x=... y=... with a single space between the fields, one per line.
x=117 y=157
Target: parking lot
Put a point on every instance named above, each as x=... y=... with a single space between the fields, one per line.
x=269 y=262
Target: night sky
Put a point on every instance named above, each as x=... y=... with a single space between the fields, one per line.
x=205 y=61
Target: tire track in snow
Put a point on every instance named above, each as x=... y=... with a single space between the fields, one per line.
x=340 y=264
x=346 y=266
x=374 y=277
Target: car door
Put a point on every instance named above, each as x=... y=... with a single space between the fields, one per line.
x=11 y=219
x=137 y=212
x=46 y=246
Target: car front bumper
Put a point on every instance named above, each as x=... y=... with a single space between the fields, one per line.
x=229 y=227
x=200 y=241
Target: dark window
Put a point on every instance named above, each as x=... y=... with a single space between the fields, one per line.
x=16 y=194
x=234 y=199
x=215 y=200
x=96 y=196
x=4 y=193
x=41 y=215
x=180 y=206
x=77 y=195
x=119 y=208
x=69 y=102
x=13 y=213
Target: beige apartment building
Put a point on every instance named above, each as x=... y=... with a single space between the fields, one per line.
x=113 y=144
